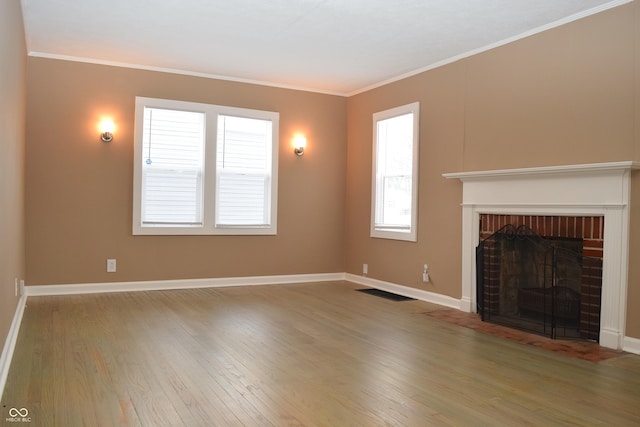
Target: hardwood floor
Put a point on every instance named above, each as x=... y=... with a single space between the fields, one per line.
x=293 y=355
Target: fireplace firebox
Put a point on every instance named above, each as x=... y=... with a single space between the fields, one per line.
x=551 y=284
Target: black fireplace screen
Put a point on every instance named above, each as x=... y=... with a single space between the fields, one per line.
x=540 y=285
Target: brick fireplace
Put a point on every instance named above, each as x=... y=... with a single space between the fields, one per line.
x=592 y=197
x=527 y=301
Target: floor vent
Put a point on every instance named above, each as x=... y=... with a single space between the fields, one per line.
x=386 y=295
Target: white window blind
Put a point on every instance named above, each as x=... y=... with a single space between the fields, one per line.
x=243 y=172
x=172 y=167
x=394 y=195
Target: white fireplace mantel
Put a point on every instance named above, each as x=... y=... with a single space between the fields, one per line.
x=573 y=190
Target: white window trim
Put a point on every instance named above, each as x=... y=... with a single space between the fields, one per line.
x=208 y=226
x=410 y=235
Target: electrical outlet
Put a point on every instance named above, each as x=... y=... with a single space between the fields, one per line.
x=365 y=269
x=111 y=266
x=16 y=286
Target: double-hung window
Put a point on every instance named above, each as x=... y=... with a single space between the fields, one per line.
x=204 y=169
x=395 y=173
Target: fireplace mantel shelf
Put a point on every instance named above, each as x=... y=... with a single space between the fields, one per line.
x=582 y=168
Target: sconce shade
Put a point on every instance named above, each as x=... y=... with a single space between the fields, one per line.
x=299 y=144
x=106 y=130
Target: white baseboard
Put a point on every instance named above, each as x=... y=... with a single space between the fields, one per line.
x=405 y=291
x=10 y=343
x=631 y=345
x=610 y=338
x=158 y=285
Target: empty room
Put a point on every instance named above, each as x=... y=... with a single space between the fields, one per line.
x=320 y=213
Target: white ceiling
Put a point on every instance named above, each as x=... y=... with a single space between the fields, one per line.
x=332 y=46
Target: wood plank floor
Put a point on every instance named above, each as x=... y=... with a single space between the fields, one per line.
x=293 y=355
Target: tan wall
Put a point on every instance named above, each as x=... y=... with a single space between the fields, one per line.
x=12 y=121
x=565 y=96
x=79 y=190
x=441 y=124
x=561 y=97
x=633 y=295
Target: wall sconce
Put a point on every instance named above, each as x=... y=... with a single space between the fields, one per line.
x=299 y=144
x=106 y=130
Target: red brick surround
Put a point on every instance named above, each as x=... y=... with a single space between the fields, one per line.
x=588 y=228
